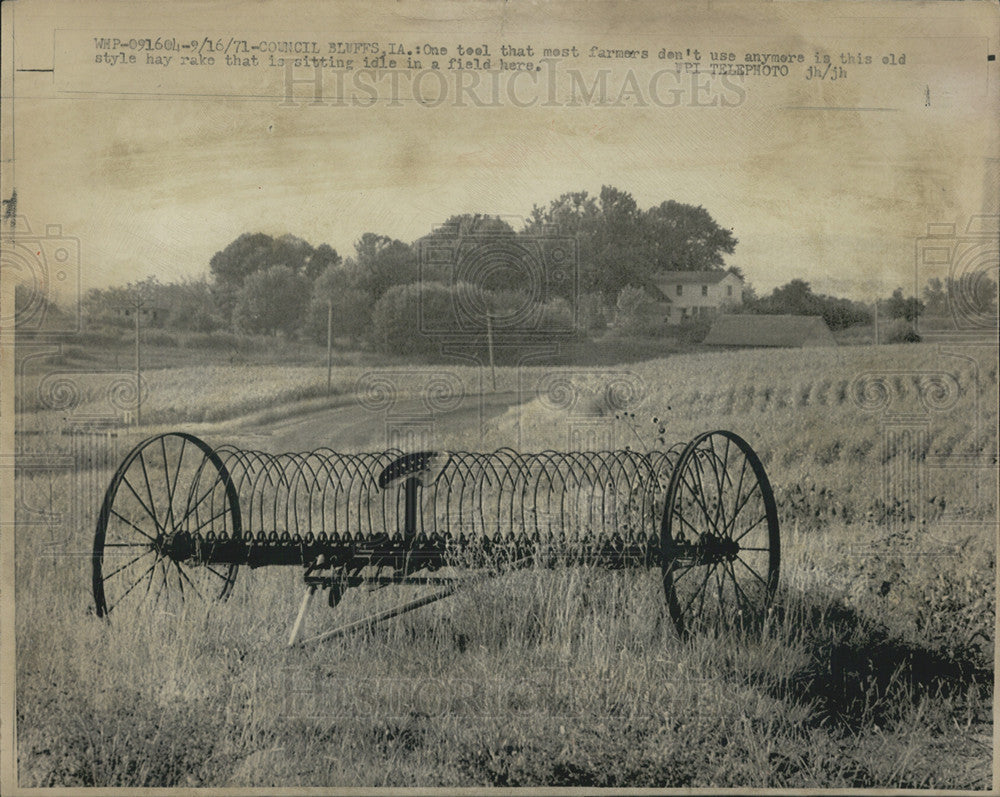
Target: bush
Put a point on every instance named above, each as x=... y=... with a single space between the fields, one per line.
x=404 y=310
x=693 y=330
x=352 y=310
x=557 y=316
x=270 y=301
x=900 y=331
x=414 y=318
x=637 y=314
x=592 y=313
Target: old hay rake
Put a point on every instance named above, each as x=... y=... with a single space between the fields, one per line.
x=181 y=517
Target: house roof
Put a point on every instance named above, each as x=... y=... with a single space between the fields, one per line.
x=691 y=277
x=660 y=285
x=770 y=330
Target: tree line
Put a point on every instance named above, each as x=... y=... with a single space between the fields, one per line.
x=578 y=262
x=578 y=251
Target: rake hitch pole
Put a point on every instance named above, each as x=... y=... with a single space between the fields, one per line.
x=375 y=619
x=303 y=607
x=452 y=585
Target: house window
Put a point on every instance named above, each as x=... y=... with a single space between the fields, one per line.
x=729 y=290
x=680 y=290
x=704 y=290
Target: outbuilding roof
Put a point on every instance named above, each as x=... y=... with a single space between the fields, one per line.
x=770 y=330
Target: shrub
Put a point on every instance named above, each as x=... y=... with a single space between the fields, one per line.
x=592 y=313
x=271 y=301
x=693 y=330
x=632 y=311
x=405 y=310
x=900 y=331
x=352 y=310
x=414 y=318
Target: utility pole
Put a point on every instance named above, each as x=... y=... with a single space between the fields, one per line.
x=329 y=344
x=876 y=321
x=489 y=343
x=136 y=305
x=138 y=369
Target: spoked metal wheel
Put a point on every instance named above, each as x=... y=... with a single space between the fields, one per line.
x=719 y=536
x=170 y=491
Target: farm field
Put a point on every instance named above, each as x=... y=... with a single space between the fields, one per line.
x=875 y=668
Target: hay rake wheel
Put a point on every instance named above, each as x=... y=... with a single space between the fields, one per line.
x=181 y=517
x=720 y=548
x=168 y=489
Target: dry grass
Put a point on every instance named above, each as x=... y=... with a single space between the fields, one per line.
x=874 y=668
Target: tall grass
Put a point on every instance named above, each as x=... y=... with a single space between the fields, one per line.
x=569 y=677
x=873 y=670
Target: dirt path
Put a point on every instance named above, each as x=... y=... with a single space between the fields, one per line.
x=354 y=427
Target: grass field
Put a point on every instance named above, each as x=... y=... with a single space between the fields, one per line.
x=874 y=669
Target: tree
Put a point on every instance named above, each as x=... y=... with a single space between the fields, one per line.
x=324 y=257
x=686 y=238
x=249 y=253
x=797 y=298
x=253 y=252
x=899 y=306
x=471 y=239
x=399 y=313
x=632 y=310
x=935 y=297
x=271 y=300
x=190 y=306
x=230 y=267
x=382 y=262
x=473 y=224
x=974 y=292
x=111 y=307
x=352 y=307
x=620 y=245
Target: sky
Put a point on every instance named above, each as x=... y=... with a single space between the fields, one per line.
x=832 y=183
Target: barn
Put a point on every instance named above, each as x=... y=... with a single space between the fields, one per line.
x=790 y=331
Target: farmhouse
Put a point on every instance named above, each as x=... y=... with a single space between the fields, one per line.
x=681 y=295
x=148 y=314
x=791 y=331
